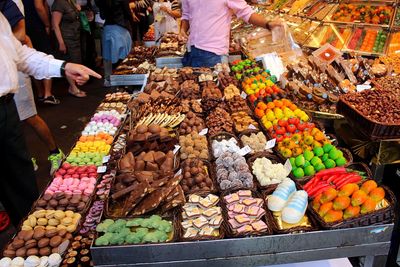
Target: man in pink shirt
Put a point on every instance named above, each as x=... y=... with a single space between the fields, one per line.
x=209 y=22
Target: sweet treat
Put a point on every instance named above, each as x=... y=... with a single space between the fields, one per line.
x=245 y=213
x=145 y=132
x=191 y=105
x=237 y=104
x=190 y=89
x=66 y=200
x=79 y=251
x=193 y=145
x=134 y=231
x=48 y=219
x=92 y=217
x=218 y=121
x=233 y=172
x=103 y=121
x=220 y=147
x=192 y=123
x=195 y=176
x=200 y=221
x=152 y=161
x=256 y=142
x=210 y=90
x=268 y=173
x=242 y=121
x=231 y=91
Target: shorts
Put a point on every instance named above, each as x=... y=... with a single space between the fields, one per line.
x=200 y=58
x=24 y=98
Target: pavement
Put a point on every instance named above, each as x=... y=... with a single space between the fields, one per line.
x=66 y=121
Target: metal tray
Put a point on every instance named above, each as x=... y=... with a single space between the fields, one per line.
x=252 y=251
x=130 y=79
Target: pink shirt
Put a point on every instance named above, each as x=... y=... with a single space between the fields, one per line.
x=210 y=22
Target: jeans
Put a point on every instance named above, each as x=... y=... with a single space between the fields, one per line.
x=200 y=58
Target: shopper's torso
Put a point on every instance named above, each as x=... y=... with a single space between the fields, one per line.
x=210 y=25
x=70 y=22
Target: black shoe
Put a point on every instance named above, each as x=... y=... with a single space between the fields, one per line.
x=51 y=100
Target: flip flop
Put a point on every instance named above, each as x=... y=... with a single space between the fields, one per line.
x=77 y=93
x=4 y=220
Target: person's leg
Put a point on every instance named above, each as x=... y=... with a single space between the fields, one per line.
x=18 y=189
x=39 y=87
x=75 y=55
x=42 y=130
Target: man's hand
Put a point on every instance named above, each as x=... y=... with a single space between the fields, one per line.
x=79 y=73
x=276 y=25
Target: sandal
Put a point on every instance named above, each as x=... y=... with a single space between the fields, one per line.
x=77 y=93
x=4 y=220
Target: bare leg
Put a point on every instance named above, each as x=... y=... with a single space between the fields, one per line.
x=74 y=90
x=47 y=87
x=39 y=87
x=43 y=131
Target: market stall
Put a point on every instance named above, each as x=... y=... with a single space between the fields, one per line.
x=227 y=166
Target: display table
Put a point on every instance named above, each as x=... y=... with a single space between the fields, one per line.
x=368 y=241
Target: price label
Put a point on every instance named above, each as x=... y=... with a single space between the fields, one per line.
x=101 y=169
x=288 y=166
x=270 y=143
x=252 y=127
x=176 y=149
x=244 y=150
x=178 y=172
x=243 y=95
x=106 y=158
x=362 y=87
x=204 y=131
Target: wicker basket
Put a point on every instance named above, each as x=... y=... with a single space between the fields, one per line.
x=229 y=229
x=211 y=173
x=274 y=159
x=219 y=137
x=174 y=238
x=347 y=155
x=385 y=215
x=356 y=166
x=274 y=224
x=371 y=129
x=180 y=229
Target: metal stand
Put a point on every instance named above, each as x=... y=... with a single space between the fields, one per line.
x=370 y=241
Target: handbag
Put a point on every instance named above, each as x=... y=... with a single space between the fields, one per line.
x=84 y=21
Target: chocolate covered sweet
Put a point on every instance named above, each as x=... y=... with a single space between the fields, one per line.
x=196 y=176
x=193 y=145
x=219 y=121
x=192 y=123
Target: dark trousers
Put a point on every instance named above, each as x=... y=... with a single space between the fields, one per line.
x=18 y=189
x=200 y=58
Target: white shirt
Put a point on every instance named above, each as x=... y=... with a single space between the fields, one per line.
x=15 y=57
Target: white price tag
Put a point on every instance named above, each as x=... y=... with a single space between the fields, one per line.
x=362 y=87
x=243 y=95
x=270 y=143
x=252 y=127
x=101 y=169
x=177 y=147
x=288 y=166
x=106 y=158
x=244 y=150
x=284 y=81
x=204 y=131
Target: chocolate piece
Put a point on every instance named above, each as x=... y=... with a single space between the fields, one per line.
x=16 y=244
x=55 y=241
x=46 y=251
x=153 y=200
x=139 y=192
x=21 y=252
x=30 y=243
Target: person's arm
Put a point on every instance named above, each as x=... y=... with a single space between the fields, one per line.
x=43 y=12
x=56 y=20
x=183 y=31
x=128 y=13
x=245 y=12
x=19 y=31
x=173 y=13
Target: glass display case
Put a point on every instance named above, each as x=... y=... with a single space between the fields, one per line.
x=336 y=35
x=368 y=40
